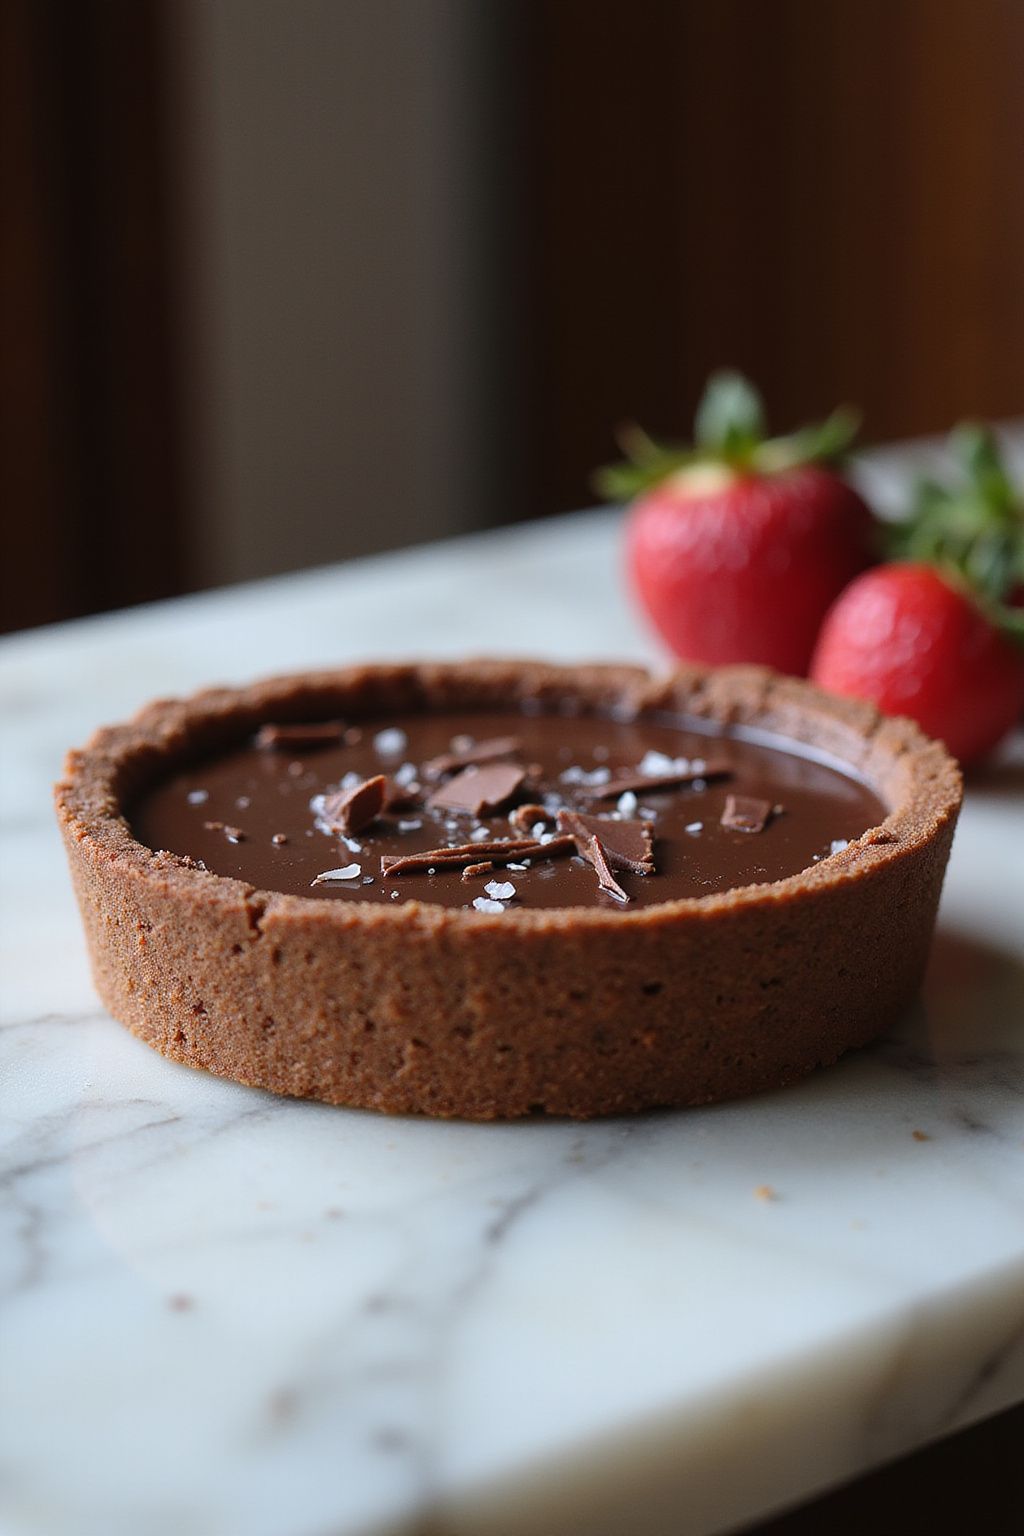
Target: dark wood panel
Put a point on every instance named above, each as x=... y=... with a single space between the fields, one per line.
x=31 y=493
x=93 y=472
x=829 y=196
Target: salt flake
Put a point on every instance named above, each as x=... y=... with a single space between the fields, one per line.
x=347 y=872
x=485 y=904
x=501 y=890
x=390 y=743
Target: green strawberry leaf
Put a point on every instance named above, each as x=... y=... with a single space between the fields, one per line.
x=730 y=420
x=972 y=526
x=646 y=464
x=827 y=442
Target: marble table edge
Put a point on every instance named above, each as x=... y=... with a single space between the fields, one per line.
x=884 y=1390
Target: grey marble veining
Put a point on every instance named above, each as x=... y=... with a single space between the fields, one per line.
x=223 y=1313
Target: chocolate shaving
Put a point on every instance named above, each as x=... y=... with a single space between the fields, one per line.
x=638 y=782
x=350 y=810
x=553 y=849
x=478 y=790
x=594 y=853
x=743 y=813
x=626 y=844
x=501 y=851
x=293 y=738
x=526 y=817
x=472 y=870
x=481 y=752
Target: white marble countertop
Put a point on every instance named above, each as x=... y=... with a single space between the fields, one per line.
x=222 y=1313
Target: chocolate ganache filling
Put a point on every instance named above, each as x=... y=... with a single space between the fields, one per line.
x=501 y=809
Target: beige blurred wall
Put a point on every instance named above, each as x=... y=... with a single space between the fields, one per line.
x=339 y=390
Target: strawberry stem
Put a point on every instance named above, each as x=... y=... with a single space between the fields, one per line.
x=730 y=429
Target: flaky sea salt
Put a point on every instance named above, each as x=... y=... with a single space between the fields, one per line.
x=654 y=764
x=838 y=844
x=409 y=826
x=501 y=890
x=518 y=869
x=390 y=743
x=479 y=835
x=485 y=904
x=694 y=827
x=198 y=796
x=578 y=775
x=347 y=872
x=627 y=803
x=405 y=775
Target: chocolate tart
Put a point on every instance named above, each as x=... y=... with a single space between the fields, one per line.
x=423 y=994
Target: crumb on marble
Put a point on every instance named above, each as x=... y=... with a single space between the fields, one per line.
x=920 y=1135
x=766 y=1192
x=283 y=1404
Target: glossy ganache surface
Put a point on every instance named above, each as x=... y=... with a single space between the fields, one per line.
x=713 y=811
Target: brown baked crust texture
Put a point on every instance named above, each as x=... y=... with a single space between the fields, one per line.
x=414 y=1008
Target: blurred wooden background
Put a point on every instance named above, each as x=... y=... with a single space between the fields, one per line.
x=254 y=317
x=829 y=196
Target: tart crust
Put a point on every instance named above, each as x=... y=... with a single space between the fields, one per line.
x=576 y=1011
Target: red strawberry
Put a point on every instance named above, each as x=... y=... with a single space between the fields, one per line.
x=917 y=643
x=737 y=547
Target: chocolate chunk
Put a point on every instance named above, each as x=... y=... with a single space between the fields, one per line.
x=526 y=817
x=472 y=870
x=594 y=853
x=745 y=814
x=481 y=752
x=350 y=810
x=403 y=797
x=478 y=790
x=626 y=844
x=653 y=782
x=501 y=851
x=293 y=738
